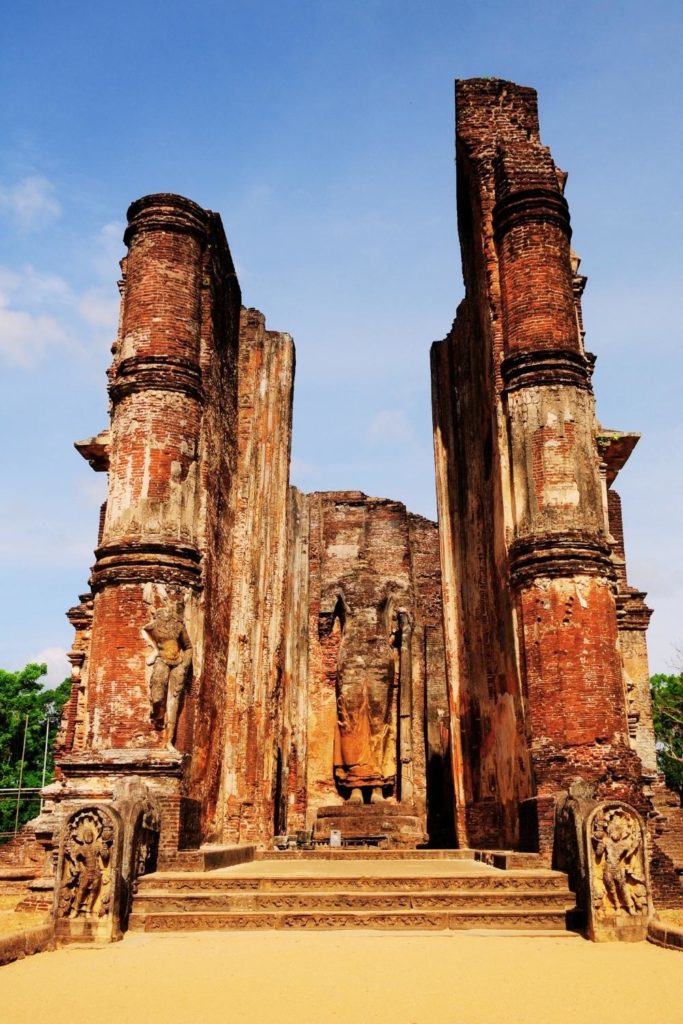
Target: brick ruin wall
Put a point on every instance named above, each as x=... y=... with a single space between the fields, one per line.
x=169 y=453
x=542 y=630
x=527 y=657
x=491 y=760
x=253 y=688
x=368 y=553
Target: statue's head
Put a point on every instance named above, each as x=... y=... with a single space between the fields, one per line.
x=617 y=829
x=169 y=614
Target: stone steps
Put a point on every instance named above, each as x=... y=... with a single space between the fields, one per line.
x=189 y=882
x=499 y=919
x=420 y=893
x=161 y=902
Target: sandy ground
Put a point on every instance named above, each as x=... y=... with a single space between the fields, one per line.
x=346 y=978
x=11 y=921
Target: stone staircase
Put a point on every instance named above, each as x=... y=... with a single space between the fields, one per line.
x=371 y=892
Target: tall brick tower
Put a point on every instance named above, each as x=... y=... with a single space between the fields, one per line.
x=164 y=538
x=528 y=558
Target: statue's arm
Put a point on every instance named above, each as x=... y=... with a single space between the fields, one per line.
x=148 y=633
x=186 y=645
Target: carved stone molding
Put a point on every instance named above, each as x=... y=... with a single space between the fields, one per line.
x=632 y=612
x=559 y=554
x=164 y=211
x=141 y=761
x=147 y=561
x=534 y=204
x=545 y=367
x=157 y=373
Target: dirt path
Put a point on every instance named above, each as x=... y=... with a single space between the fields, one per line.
x=343 y=978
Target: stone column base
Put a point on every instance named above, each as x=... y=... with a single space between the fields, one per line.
x=399 y=825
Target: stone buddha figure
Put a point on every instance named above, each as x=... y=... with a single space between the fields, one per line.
x=365 y=744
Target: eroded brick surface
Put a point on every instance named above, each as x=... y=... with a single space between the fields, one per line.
x=333 y=648
x=545 y=638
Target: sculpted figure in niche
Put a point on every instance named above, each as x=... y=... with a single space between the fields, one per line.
x=365 y=735
x=617 y=848
x=87 y=856
x=171 y=660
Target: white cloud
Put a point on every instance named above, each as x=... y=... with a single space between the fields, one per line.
x=31 y=203
x=30 y=287
x=391 y=426
x=108 y=250
x=99 y=308
x=39 y=311
x=58 y=667
x=24 y=336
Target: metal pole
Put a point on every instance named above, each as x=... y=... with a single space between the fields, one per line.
x=47 y=734
x=21 y=777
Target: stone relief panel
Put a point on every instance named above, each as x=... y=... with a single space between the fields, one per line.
x=86 y=882
x=86 y=893
x=620 y=903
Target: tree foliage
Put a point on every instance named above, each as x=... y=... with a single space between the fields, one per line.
x=667 y=712
x=25 y=708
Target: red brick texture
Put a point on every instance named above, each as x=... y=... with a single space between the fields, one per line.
x=529 y=565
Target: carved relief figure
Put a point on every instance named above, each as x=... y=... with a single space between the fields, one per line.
x=365 y=736
x=620 y=883
x=170 y=661
x=87 y=877
x=146 y=845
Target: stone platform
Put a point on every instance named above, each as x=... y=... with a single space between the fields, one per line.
x=398 y=824
x=376 y=893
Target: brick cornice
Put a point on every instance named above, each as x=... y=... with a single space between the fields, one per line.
x=164 y=211
x=150 y=761
x=559 y=554
x=157 y=373
x=544 y=367
x=145 y=561
x=632 y=612
x=534 y=204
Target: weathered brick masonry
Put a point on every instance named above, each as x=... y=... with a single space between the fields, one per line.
x=166 y=533
x=545 y=639
x=331 y=656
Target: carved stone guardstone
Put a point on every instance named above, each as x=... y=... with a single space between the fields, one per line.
x=104 y=849
x=620 y=902
x=88 y=883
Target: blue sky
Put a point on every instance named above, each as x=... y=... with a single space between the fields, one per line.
x=323 y=134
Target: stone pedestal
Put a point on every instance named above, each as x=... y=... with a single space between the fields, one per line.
x=99 y=777
x=400 y=824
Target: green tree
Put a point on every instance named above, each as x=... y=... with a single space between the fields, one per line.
x=25 y=707
x=667 y=712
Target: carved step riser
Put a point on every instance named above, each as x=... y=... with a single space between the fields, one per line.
x=406 y=921
x=394 y=901
x=502 y=883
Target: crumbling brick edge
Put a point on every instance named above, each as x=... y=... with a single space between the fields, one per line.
x=669 y=936
x=26 y=943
